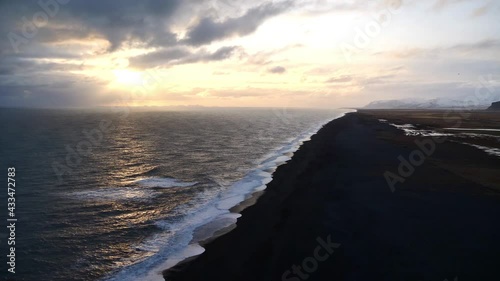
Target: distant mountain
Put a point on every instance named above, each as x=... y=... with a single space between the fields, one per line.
x=439 y=103
x=495 y=106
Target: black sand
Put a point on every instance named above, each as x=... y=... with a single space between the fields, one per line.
x=437 y=225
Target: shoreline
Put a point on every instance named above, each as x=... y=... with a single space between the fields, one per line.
x=246 y=203
x=205 y=233
x=306 y=201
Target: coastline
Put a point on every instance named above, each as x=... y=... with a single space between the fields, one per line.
x=334 y=188
x=242 y=194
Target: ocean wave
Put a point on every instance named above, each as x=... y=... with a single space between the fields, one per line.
x=163 y=183
x=180 y=240
x=114 y=194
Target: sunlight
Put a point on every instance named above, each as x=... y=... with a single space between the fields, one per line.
x=128 y=77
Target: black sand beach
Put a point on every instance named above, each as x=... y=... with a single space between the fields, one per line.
x=329 y=213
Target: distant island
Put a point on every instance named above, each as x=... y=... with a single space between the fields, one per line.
x=495 y=106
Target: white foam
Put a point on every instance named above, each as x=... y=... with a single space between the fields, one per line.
x=404 y=126
x=211 y=215
x=473 y=129
x=155 y=274
x=489 y=150
x=429 y=133
x=130 y=193
x=238 y=192
x=260 y=188
x=189 y=251
x=114 y=194
x=481 y=136
x=208 y=230
x=229 y=202
x=170 y=246
x=410 y=130
x=163 y=183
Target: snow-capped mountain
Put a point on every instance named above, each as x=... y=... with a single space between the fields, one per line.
x=495 y=106
x=437 y=103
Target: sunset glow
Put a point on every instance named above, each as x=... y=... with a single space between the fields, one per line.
x=302 y=53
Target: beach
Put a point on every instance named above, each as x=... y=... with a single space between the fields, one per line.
x=374 y=195
x=255 y=140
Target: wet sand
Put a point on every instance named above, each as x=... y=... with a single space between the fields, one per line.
x=330 y=214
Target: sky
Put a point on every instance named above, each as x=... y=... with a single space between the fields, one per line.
x=294 y=53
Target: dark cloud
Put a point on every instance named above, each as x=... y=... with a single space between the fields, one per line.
x=277 y=70
x=22 y=66
x=140 y=21
x=146 y=22
x=51 y=94
x=29 y=65
x=118 y=23
x=222 y=53
x=181 y=55
x=208 y=30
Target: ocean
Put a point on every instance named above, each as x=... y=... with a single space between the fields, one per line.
x=119 y=195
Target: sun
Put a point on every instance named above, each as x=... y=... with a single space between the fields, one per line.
x=128 y=77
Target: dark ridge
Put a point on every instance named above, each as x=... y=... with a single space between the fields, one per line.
x=495 y=106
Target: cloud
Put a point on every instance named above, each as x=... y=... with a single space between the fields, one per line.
x=76 y=32
x=480 y=11
x=84 y=38
x=21 y=66
x=319 y=7
x=140 y=21
x=207 y=30
x=181 y=55
x=48 y=92
x=147 y=23
x=267 y=57
x=440 y=5
x=477 y=46
x=222 y=53
x=277 y=70
x=340 y=79
x=480 y=47
x=240 y=93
